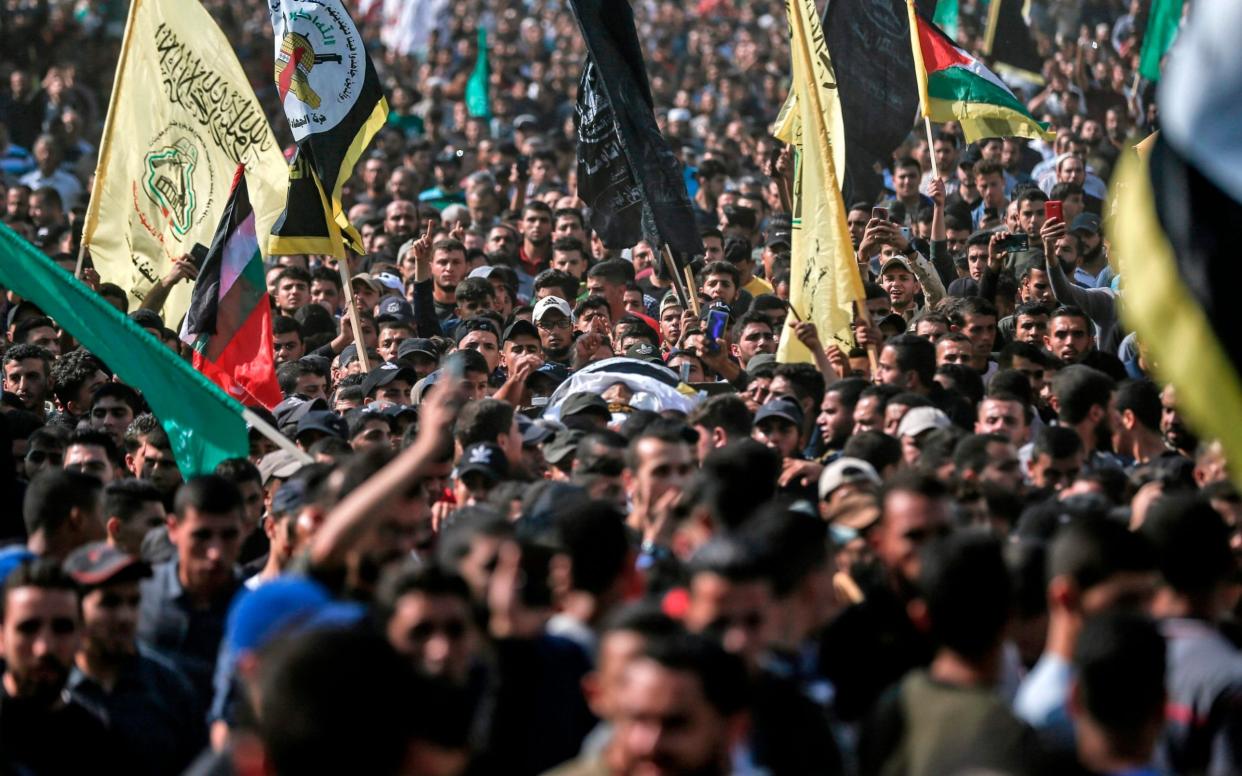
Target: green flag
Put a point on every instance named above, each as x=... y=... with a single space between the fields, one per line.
x=946 y=17
x=204 y=425
x=1162 y=23
x=477 y=87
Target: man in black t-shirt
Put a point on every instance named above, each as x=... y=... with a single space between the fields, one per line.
x=42 y=729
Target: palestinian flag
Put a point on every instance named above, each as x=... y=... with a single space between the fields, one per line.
x=954 y=86
x=229 y=323
x=1176 y=205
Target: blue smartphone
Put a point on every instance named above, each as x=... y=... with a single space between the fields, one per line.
x=717 y=319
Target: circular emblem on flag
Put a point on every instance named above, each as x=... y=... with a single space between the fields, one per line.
x=320 y=64
x=174 y=190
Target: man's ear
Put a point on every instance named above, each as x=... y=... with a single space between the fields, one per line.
x=113 y=527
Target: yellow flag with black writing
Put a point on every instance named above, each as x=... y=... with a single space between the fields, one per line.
x=824 y=282
x=181 y=118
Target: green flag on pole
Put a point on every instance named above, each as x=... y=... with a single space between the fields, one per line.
x=204 y=425
x=1162 y=23
x=946 y=17
x=477 y=102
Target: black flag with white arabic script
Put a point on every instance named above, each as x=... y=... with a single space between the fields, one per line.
x=627 y=174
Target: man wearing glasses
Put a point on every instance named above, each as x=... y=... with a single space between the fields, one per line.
x=555 y=321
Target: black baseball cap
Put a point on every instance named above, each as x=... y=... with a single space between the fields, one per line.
x=99 y=563
x=484 y=458
x=326 y=421
x=519 y=328
x=384 y=374
x=584 y=402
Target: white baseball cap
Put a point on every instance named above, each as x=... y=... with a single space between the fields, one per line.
x=552 y=303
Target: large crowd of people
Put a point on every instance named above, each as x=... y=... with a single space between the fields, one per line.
x=561 y=519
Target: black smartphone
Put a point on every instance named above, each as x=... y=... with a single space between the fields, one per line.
x=523 y=166
x=1015 y=242
x=198 y=254
x=990 y=213
x=879 y=213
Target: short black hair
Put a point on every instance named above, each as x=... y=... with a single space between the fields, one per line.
x=792 y=544
x=121 y=391
x=1078 y=388
x=315 y=716
x=239 y=470
x=848 y=390
x=593 y=536
x=283 y=324
x=971 y=452
x=1141 y=397
x=43 y=573
x=294 y=273
x=721 y=675
x=124 y=498
x=914 y=353
x=22 y=330
x=93 y=437
x=560 y=280
x=208 y=493
x=71 y=371
x=483 y=420
x=966 y=586
x=415 y=577
x=287 y=374
x=53 y=494
x=1191 y=542
x=616 y=272
x=875 y=447
x=722 y=268
x=19 y=353
x=1089 y=551
x=726 y=411
x=1056 y=442
x=805 y=379
x=1120 y=660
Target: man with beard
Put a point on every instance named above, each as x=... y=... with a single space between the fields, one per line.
x=874 y=643
x=439 y=265
x=149 y=704
x=536 y=249
x=555 y=320
x=1173 y=426
x=43 y=730
x=400 y=224
x=1082 y=397
x=680 y=709
x=26 y=372
x=185 y=601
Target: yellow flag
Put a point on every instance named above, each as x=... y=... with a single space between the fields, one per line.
x=824 y=281
x=181 y=118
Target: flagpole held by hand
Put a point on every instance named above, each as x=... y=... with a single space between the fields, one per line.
x=931 y=146
x=352 y=310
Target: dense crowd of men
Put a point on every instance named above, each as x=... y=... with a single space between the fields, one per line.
x=560 y=519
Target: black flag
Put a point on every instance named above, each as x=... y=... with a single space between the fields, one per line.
x=1007 y=40
x=870 y=45
x=628 y=176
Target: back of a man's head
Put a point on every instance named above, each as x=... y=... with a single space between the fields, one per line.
x=1077 y=389
x=1090 y=551
x=592 y=536
x=52 y=496
x=966 y=587
x=1191 y=543
x=318 y=712
x=1119 y=662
